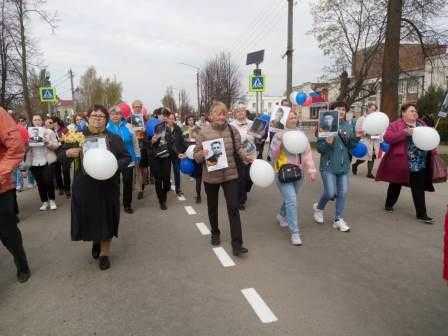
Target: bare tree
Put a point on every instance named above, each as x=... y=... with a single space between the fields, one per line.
x=21 y=13
x=220 y=80
x=93 y=89
x=168 y=100
x=352 y=33
x=409 y=20
x=185 y=108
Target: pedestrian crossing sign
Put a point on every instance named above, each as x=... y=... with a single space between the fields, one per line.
x=47 y=94
x=257 y=83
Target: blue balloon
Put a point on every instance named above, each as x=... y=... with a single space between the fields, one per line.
x=360 y=150
x=187 y=166
x=385 y=147
x=301 y=98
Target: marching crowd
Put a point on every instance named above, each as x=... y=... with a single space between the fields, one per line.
x=150 y=148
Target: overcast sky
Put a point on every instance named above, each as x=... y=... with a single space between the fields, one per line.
x=141 y=42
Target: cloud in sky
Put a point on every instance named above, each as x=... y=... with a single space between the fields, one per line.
x=141 y=42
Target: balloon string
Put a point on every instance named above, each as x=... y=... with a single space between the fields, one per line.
x=437 y=123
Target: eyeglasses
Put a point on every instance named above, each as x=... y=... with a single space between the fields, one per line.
x=97 y=116
x=138 y=106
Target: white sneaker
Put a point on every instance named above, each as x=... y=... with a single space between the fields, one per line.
x=282 y=221
x=318 y=214
x=53 y=205
x=295 y=239
x=44 y=206
x=341 y=225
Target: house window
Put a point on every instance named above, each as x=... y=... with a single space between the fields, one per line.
x=254 y=106
x=413 y=85
x=270 y=104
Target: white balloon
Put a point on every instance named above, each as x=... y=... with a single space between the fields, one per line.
x=261 y=173
x=100 y=163
x=295 y=142
x=426 y=138
x=292 y=97
x=190 y=152
x=376 y=123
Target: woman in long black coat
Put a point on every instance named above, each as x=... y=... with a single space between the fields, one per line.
x=96 y=204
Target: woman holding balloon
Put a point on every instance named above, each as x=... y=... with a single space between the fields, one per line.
x=296 y=156
x=95 y=214
x=334 y=167
x=406 y=164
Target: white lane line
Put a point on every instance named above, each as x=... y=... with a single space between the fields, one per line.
x=181 y=198
x=223 y=257
x=203 y=229
x=264 y=313
x=189 y=209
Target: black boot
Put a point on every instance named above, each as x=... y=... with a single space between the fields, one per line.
x=238 y=250
x=23 y=270
x=96 y=249
x=104 y=263
x=215 y=239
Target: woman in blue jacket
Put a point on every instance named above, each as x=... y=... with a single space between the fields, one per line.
x=119 y=126
x=335 y=164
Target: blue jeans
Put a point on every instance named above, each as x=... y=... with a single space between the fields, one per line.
x=335 y=186
x=289 y=206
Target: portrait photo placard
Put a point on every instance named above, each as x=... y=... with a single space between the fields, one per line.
x=328 y=123
x=217 y=157
x=36 y=136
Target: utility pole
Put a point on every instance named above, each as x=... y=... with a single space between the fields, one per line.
x=197 y=87
x=290 y=50
x=70 y=73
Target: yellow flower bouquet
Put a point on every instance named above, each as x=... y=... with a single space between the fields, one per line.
x=74 y=139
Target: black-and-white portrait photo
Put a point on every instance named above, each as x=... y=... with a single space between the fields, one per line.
x=279 y=115
x=258 y=128
x=36 y=136
x=328 y=123
x=137 y=122
x=216 y=158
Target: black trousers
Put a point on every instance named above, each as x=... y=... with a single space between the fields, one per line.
x=10 y=234
x=232 y=200
x=260 y=149
x=161 y=170
x=244 y=183
x=44 y=179
x=417 y=184
x=128 y=184
x=61 y=173
x=175 y=162
x=198 y=180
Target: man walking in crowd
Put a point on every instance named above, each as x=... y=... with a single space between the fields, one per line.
x=12 y=150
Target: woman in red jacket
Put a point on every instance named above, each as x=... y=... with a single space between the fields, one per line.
x=405 y=164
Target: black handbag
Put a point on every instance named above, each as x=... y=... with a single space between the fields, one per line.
x=289 y=173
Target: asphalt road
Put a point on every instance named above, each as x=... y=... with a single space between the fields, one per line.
x=382 y=278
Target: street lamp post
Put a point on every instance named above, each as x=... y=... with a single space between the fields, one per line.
x=197 y=84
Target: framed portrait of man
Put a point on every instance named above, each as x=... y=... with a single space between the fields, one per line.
x=137 y=122
x=328 y=123
x=217 y=157
x=36 y=136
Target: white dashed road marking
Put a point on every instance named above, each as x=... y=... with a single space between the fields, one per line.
x=259 y=306
x=203 y=229
x=223 y=257
x=189 y=209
